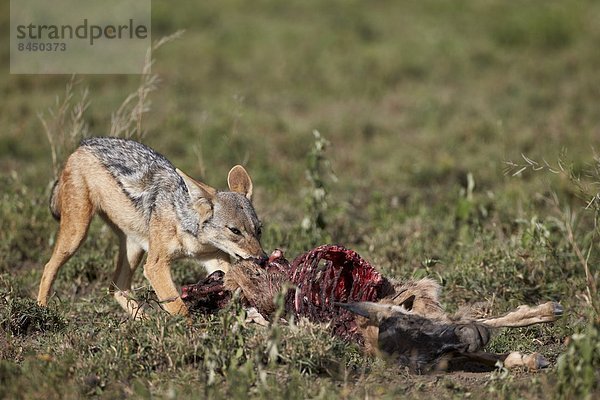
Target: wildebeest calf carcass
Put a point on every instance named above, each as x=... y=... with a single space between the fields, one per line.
x=401 y=320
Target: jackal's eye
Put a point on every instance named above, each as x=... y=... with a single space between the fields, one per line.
x=235 y=231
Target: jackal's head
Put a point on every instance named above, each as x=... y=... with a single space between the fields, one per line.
x=228 y=220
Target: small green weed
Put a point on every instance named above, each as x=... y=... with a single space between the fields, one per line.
x=578 y=368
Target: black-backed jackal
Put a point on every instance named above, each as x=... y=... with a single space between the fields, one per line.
x=152 y=207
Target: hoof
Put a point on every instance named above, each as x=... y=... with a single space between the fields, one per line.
x=558 y=309
x=536 y=361
x=533 y=361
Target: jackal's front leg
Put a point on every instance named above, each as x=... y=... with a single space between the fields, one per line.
x=130 y=255
x=158 y=271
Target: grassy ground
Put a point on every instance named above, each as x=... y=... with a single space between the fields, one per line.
x=422 y=103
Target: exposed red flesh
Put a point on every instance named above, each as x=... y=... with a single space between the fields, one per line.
x=208 y=295
x=332 y=274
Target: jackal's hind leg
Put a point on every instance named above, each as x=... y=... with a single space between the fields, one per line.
x=130 y=255
x=76 y=215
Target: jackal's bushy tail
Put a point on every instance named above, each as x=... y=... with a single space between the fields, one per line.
x=54 y=200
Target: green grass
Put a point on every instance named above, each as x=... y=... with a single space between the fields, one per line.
x=422 y=104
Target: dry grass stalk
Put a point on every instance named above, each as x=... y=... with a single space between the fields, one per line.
x=64 y=124
x=588 y=192
x=126 y=121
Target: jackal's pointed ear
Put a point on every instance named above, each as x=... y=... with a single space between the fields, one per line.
x=239 y=181
x=197 y=189
x=202 y=195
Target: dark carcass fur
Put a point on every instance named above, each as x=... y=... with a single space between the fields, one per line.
x=417 y=341
x=420 y=343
